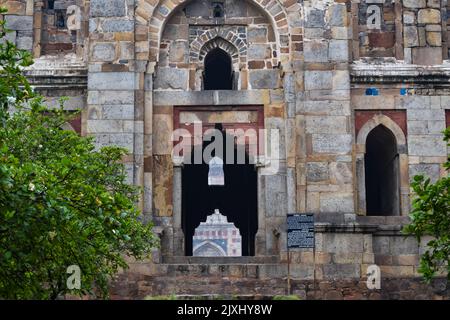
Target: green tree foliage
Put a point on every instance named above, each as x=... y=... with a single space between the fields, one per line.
x=431 y=217
x=62 y=202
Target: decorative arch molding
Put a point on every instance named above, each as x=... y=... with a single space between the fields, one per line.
x=402 y=150
x=209 y=245
x=381 y=119
x=152 y=17
x=224 y=39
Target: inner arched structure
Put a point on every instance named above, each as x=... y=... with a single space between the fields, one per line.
x=218 y=70
x=237 y=199
x=382 y=173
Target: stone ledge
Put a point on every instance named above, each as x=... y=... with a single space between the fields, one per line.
x=211 y=98
x=220 y=260
x=400 y=73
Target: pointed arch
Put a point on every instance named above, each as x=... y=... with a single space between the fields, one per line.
x=364 y=136
x=381 y=119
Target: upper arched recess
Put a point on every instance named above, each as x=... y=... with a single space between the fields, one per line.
x=153 y=16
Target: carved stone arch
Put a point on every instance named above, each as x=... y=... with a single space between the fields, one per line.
x=156 y=16
x=402 y=150
x=218 y=42
x=381 y=119
x=209 y=246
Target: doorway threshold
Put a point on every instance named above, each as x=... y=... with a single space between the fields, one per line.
x=220 y=260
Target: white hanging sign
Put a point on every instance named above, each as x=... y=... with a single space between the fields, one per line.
x=216 y=175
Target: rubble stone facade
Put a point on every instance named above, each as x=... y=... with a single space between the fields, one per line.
x=334 y=77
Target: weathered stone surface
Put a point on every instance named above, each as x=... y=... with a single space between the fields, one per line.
x=316 y=51
x=315 y=19
x=257 y=35
x=318 y=80
x=430 y=145
x=317 y=171
x=108 y=8
x=24 y=43
x=104 y=51
x=264 y=79
x=336 y=202
x=432 y=171
x=118 y=25
x=411 y=36
x=179 y=51
x=170 y=78
x=19 y=23
x=427 y=56
x=111 y=81
x=414 y=3
x=338 y=50
x=429 y=16
x=332 y=143
x=259 y=51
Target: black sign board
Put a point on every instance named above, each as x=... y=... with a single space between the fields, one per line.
x=300 y=231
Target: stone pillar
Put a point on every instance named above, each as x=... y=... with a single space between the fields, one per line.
x=37 y=33
x=178 y=234
x=323 y=111
x=112 y=81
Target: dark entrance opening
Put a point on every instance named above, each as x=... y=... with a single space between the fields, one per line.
x=382 y=173
x=218 y=71
x=237 y=199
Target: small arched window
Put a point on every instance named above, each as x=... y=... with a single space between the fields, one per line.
x=218 y=10
x=382 y=173
x=218 y=71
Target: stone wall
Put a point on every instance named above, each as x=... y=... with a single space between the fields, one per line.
x=325 y=73
x=20 y=20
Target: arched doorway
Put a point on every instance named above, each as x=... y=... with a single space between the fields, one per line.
x=382 y=173
x=218 y=71
x=237 y=199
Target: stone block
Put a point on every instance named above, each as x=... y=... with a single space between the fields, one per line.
x=410 y=36
x=108 y=8
x=19 y=23
x=413 y=4
x=110 y=97
x=338 y=50
x=264 y=79
x=432 y=171
x=14 y=7
x=426 y=16
x=316 y=51
x=104 y=51
x=317 y=171
x=318 y=80
x=179 y=52
x=336 y=202
x=332 y=143
x=162 y=134
x=337 y=15
x=427 y=56
x=111 y=81
x=427 y=145
x=258 y=52
x=24 y=43
x=341 y=271
x=434 y=39
x=326 y=124
x=315 y=19
x=341 y=173
x=257 y=34
x=118 y=25
x=171 y=78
